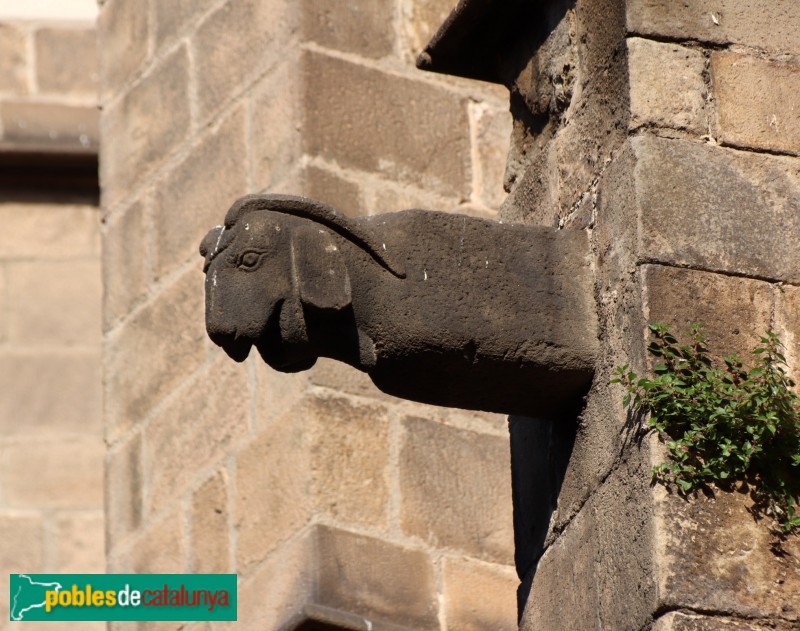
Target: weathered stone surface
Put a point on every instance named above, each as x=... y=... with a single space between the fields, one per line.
x=272 y=483
x=349 y=460
x=149 y=355
x=718 y=209
x=226 y=39
x=337 y=376
x=572 y=113
x=160 y=549
x=492 y=137
x=276 y=138
x=172 y=17
x=772 y=27
x=54 y=124
x=343 y=97
x=787 y=324
x=124 y=487
x=124 y=38
x=564 y=593
x=285 y=577
x=13 y=60
x=45 y=231
x=194 y=429
x=667 y=86
x=679 y=621
x=69 y=473
x=210 y=547
x=455 y=489
x=479 y=596
x=390 y=196
x=191 y=196
x=363 y=28
x=422 y=20
x=600 y=567
x=81 y=544
x=124 y=263
x=55 y=45
x=756 y=102
x=333 y=189
x=54 y=302
x=137 y=126
x=52 y=392
x=715 y=557
x=277 y=394
x=736 y=311
x=375 y=579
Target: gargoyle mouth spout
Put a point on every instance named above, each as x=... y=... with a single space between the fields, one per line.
x=237 y=348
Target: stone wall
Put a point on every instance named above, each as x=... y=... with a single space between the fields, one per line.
x=51 y=446
x=687 y=179
x=318 y=490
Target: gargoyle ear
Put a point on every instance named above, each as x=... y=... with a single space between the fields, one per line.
x=319 y=270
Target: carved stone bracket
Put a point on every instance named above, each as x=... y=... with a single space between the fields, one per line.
x=435 y=307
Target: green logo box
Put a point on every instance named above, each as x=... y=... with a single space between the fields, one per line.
x=84 y=597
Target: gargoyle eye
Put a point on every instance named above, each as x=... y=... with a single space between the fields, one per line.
x=250 y=260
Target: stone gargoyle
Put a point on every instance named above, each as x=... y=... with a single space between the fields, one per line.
x=436 y=307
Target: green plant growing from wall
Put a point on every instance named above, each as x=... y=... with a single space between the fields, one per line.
x=731 y=427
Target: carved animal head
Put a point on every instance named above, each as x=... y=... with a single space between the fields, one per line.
x=276 y=259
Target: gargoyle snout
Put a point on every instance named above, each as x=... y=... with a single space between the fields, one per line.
x=236 y=347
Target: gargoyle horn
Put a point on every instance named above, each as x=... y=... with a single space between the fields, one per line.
x=319 y=213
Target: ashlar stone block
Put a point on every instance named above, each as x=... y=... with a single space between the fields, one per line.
x=479 y=596
x=55 y=45
x=171 y=17
x=124 y=489
x=13 y=60
x=376 y=579
x=736 y=312
x=192 y=432
x=718 y=209
x=148 y=355
x=124 y=38
x=210 y=532
x=333 y=189
x=160 y=549
x=770 y=26
x=69 y=473
x=137 y=127
x=680 y=621
x=667 y=86
x=363 y=28
x=248 y=35
x=714 y=556
x=124 y=263
x=81 y=544
x=363 y=118
x=44 y=231
x=757 y=102
x=54 y=303
x=190 y=197
x=52 y=392
x=349 y=459
x=273 y=499
x=455 y=487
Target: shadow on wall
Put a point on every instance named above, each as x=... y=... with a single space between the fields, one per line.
x=540 y=453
